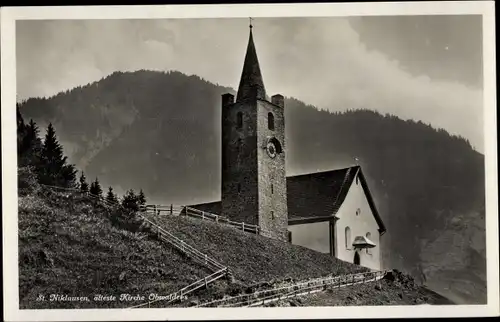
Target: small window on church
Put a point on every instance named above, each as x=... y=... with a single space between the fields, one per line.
x=239 y=120
x=272 y=189
x=358 y=211
x=239 y=187
x=368 y=250
x=270 y=121
x=272 y=215
x=348 y=238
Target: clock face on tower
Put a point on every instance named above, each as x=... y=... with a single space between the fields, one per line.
x=271 y=149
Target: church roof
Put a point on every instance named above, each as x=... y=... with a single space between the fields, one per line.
x=251 y=83
x=316 y=196
x=320 y=195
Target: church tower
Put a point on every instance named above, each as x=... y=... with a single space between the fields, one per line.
x=253 y=153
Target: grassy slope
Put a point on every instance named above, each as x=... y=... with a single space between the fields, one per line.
x=68 y=245
x=251 y=258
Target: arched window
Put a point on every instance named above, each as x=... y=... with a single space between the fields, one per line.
x=348 y=238
x=239 y=120
x=270 y=121
x=368 y=235
x=358 y=211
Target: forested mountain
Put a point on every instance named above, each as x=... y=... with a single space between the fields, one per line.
x=161 y=132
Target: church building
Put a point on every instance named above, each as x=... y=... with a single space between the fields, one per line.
x=331 y=212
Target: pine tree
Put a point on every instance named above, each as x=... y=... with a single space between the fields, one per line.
x=130 y=200
x=95 y=188
x=84 y=186
x=54 y=169
x=111 y=197
x=29 y=144
x=141 y=198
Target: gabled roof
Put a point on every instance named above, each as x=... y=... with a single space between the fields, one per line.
x=316 y=196
x=251 y=82
x=320 y=195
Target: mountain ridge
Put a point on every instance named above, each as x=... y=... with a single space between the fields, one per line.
x=167 y=125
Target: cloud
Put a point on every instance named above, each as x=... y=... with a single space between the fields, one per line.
x=321 y=61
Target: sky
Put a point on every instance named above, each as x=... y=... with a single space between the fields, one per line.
x=426 y=68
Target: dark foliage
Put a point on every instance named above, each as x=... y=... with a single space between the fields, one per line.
x=84 y=186
x=54 y=168
x=29 y=143
x=130 y=200
x=111 y=196
x=95 y=188
x=141 y=198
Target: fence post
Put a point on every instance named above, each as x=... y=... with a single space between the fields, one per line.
x=206 y=285
x=202 y=215
x=205 y=259
x=242 y=226
x=216 y=218
x=171 y=209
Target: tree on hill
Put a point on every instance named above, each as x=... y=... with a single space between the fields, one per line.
x=111 y=197
x=95 y=188
x=130 y=200
x=84 y=186
x=29 y=143
x=54 y=169
x=141 y=198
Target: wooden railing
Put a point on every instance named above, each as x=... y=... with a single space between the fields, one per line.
x=196 y=213
x=185 y=248
x=301 y=288
x=163 y=209
x=180 y=294
x=86 y=194
x=246 y=300
x=197 y=256
x=218 y=269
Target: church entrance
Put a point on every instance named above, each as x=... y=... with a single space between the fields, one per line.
x=356 y=258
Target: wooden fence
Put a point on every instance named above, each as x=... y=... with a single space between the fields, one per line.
x=301 y=288
x=246 y=300
x=218 y=269
x=86 y=194
x=195 y=213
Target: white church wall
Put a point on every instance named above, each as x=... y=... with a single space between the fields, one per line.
x=315 y=236
x=359 y=225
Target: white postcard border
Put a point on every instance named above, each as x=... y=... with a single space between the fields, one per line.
x=9 y=163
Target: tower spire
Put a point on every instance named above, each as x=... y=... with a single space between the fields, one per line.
x=251 y=83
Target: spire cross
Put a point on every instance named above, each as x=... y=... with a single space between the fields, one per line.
x=251 y=22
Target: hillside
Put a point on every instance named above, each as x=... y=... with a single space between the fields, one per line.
x=71 y=245
x=160 y=132
x=253 y=259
